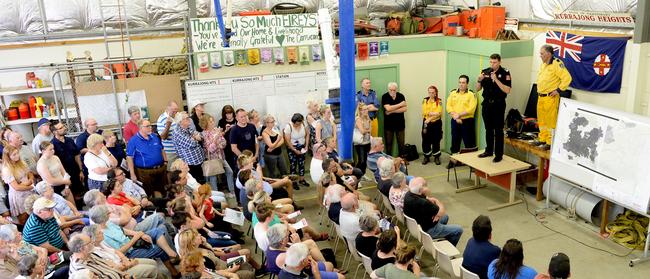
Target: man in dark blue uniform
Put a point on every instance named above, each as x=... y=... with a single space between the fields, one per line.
x=496 y=84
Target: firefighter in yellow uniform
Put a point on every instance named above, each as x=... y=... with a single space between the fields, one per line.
x=461 y=105
x=552 y=78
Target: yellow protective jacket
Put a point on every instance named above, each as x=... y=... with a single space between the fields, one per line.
x=459 y=102
x=552 y=76
x=428 y=107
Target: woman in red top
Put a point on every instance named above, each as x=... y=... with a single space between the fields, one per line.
x=114 y=195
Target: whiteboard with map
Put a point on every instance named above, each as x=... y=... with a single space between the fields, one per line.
x=605 y=151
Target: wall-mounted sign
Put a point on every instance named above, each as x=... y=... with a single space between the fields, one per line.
x=605 y=18
x=256 y=32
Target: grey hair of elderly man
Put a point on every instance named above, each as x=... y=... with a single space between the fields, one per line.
x=92 y=198
x=277 y=234
x=349 y=202
x=386 y=168
x=417 y=185
x=99 y=214
x=77 y=242
x=296 y=255
x=8 y=233
x=375 y=142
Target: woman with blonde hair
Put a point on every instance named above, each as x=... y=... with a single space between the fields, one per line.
x=190 y=241
x=325 y=127
x=313 y=115
x=215 y=145
x=16 y=174
x=98 y=160
x=361 y=139
x=51 y=170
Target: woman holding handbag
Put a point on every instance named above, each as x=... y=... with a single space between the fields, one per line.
x=361 y=136
x=431 y=126
x=214 y=144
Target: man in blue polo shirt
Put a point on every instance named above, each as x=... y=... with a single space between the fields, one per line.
x=369 y=97
x=41 y=228
x=147 y=159
x=66 y=150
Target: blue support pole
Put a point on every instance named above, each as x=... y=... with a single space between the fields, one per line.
x=348 y=90
x=222 y=25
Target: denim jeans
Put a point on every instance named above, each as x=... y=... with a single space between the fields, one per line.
x=451 y=233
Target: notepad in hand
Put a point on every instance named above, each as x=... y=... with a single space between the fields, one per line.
x=235 y=261
x=233 y=217
x=300 y=224
x=294 y=214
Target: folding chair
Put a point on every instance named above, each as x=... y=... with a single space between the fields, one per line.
x=466 y=274
x=388 y=205
x=367 y=265
x=448 y=264
x=352 y=247
x=413 y=228
x=336 y=244
x=464 y=150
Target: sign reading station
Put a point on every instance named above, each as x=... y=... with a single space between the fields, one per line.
x=256 y=32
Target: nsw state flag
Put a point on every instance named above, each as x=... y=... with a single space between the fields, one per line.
x=595 y=63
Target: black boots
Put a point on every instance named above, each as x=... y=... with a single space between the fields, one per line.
x=425 y=160
x=436 y=159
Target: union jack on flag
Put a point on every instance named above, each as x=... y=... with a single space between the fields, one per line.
x=565 y=44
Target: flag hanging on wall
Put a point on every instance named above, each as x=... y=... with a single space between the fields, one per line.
x=595 y=63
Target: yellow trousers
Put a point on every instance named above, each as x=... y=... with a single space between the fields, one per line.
x=374 y=127
x=547 y=108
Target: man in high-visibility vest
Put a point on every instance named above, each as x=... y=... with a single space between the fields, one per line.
x=552 y=78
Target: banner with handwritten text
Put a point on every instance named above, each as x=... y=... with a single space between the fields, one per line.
x=256 y=32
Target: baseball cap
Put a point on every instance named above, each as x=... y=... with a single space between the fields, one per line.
x=42 y=203
x=43 y=121
x=559 y=267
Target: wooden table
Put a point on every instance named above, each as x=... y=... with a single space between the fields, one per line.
x=503 y=173
x=544 y=156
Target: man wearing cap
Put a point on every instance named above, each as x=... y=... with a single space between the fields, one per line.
x=131 y=127
x=165 y=126
x=197 y=112
x=44 y=134
x=558 y=268
x=41 y=228
x=147 y=159
x=188 y=146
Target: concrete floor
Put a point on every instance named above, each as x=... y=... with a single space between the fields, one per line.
x=539 y=240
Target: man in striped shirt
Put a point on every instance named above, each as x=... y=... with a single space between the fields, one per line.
x=165 y=126
x=41 y=228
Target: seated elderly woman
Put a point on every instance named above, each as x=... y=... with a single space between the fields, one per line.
x=398 y=191
x=366 y=241
x=280 y=237
x=386 y=172
x=183 y=221
x=121 y=216
x=153 y=245
x=28 y=269
x=297 y=262
x=279 y=217
x=83 y=259
x=138 y=268
x=11 y=238
x=189 y=241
